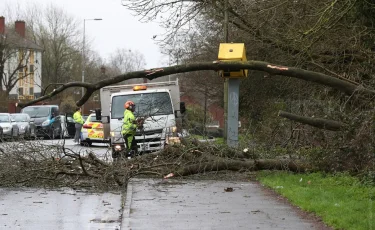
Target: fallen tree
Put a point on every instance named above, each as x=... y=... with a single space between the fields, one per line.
x=342 y=85
x=36 y=164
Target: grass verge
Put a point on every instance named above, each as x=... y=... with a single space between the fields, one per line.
x=342 y=201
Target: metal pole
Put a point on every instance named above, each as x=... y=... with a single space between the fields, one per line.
x=226 y=38
x=83 y=53
x=205 y=113
x=231 y=96
x=83 y=59
x=233 y=104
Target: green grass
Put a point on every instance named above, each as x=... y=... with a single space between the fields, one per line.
x=341 y=200
x=218 y=140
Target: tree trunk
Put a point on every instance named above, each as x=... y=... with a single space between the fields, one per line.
x=237 y=165
x=344 y=86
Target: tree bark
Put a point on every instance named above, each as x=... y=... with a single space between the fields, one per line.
x=237 y=165
x=151 y=74
x=316 y=122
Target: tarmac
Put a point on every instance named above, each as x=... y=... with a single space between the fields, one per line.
x=174 y=204
x=151 y=204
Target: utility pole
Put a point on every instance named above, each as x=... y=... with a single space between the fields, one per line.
x=83 y=53
x=231 y=86
x=205 y=112
x=226 y=38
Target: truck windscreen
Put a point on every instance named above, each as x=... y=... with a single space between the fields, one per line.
x=146 y=104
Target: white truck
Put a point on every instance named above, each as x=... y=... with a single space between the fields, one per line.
x=157 y=103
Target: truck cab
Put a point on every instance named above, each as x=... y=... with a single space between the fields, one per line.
x=157 y=103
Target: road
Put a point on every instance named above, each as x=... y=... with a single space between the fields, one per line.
x=58 y=209
x=148 y=204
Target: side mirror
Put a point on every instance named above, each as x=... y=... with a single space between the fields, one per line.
x=98 y=114
x=182 y=107
x=104 y=119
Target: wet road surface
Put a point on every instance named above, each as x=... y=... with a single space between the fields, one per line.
x=153 y=204
x=40 y=209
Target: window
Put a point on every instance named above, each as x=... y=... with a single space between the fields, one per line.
x=20 y=81
x=37 y=111
x=92 y=118
x=21 y=55
x=31 y=79
x=146 y=104
x=54 y=111
x=20 y=117
x=4 y=118
x=20 y=91
x=31 y=91
x=31 y=70
x=31 y=58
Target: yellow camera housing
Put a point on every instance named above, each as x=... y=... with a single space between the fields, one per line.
x=229 y=52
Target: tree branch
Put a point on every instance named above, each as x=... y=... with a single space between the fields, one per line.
x=151 y=74
x=316 y=122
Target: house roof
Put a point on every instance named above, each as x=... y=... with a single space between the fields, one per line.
x=21 y=42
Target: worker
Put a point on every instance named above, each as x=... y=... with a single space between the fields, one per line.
x=78 y=120
x=129 y=128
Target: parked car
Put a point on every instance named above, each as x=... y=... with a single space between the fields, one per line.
x=67 y=125
x=92 y=131
x=25 y=125
x=10 y=128
x=46 y=119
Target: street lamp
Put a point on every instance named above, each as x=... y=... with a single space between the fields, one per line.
x=83 y=51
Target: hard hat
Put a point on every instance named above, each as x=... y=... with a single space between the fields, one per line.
x=129 y=104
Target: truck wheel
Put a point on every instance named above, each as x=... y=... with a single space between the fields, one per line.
x=114 y=155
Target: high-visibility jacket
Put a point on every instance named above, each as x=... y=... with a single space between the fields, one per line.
x=128 y=126
x=78 y=118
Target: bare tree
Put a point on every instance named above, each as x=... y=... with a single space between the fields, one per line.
x=58 y=34
x=14 y=60
x=126 y=60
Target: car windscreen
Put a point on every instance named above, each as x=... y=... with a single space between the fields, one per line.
x=146 y=104
x=20 y=117
x=4 y=118
x=35 y=112
x=93 y=119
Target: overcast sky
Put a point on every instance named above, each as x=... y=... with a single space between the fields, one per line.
x=118 y=29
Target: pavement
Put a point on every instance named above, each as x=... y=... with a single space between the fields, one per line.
x=156 y=204
x=149 y=204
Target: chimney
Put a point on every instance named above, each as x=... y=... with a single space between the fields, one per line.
x=2 y=25
x=20 y=28
x=102 y=69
